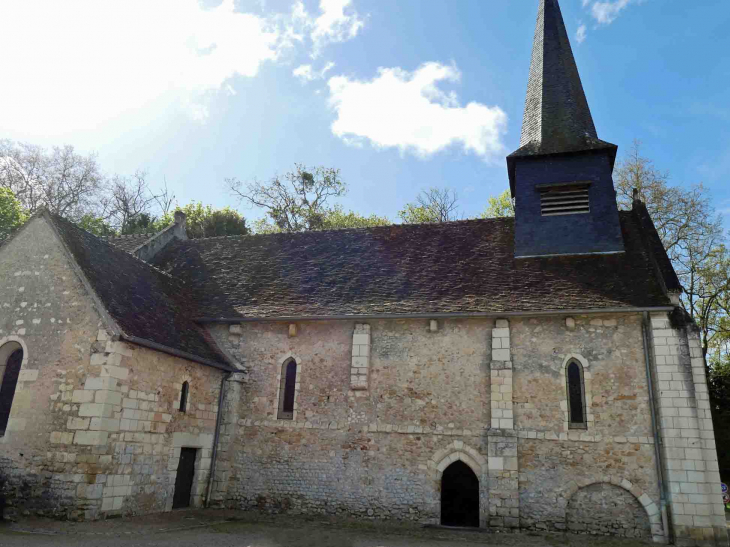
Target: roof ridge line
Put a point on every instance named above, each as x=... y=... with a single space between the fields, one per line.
x=117 y=249
x=353 y=229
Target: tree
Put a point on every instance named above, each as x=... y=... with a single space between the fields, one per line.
x=682 y=217
x=128 y=204
x=718 y=382
x=67 y=183
x=204 y=221
x=95 y=225
x=296 y=202
x=692 y=235
x=12 y=214
x=432 y=206
x=502 y=205
x=335 y=218
x=704 y=270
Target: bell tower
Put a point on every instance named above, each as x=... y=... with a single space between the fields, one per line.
x=561 y=176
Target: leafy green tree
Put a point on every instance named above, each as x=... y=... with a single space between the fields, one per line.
x=204 y=221
x=719 y=388
x=337 y=218
x=431 y=206
x=500 y=206
x=334 y=218
x=140 y=223
x=296 y=202
x=12 y=214
x=95 y=225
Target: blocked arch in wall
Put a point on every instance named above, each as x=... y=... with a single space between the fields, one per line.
x=651 y=508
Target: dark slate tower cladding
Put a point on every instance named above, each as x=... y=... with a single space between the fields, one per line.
x=560 y=177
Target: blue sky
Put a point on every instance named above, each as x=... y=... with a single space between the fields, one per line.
x=400 y=95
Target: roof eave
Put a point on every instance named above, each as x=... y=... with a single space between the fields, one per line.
x=604 y=146
x=436 y=315
x=176 y=352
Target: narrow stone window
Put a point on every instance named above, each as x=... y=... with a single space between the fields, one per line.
x=287 y=389
x=9 y=371
x=576 y=396
x=184 y=397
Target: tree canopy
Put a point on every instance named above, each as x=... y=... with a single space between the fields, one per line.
x=12 y=214
x=204 y=221
x=295 y=202
x=300 y=200
x=432 y=206
x=500 y=206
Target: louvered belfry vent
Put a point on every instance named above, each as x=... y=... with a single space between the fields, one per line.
x=564 y=199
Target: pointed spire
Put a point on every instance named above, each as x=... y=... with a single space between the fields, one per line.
x=557 y=117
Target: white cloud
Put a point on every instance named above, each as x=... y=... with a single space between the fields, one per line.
x=307 y=74
x=580 y=36
x=606 y=12
x=78 y=64
x=338 y=22
x=406 y=110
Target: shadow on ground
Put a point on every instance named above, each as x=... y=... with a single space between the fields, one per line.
x=223 y=528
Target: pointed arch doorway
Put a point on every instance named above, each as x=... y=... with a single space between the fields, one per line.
x=459 y=496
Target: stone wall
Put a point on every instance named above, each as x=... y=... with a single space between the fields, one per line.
x=689 y=452
x=609 y=348
x=617 y=442
x=94 y=428
x=371 y=452
x=490 y=393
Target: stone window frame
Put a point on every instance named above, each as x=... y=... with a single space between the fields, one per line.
x=582 y=421
x=280 y=364
x=184 y=397
x=178 y=387
x=587 y=392
x=9 y=345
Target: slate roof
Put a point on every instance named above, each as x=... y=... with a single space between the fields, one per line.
x=128 y=242
x=463 y=267
x=144 y=302
x=555 y=107
x=557 y=117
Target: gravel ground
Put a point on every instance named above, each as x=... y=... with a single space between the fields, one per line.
x=236 y=529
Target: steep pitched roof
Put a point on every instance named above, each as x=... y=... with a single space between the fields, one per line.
x=457 y=267
x=557 y=118
x=145 y=303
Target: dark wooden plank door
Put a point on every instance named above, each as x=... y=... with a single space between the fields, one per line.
x=184 y=480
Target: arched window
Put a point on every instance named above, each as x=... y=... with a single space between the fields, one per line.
x=576 y=396
x=11 y=358
x=184 y=397
x=287 y=389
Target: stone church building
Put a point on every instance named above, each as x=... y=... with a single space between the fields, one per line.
x=532 y=373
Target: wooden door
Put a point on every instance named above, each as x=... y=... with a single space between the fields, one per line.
x=184 y=480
